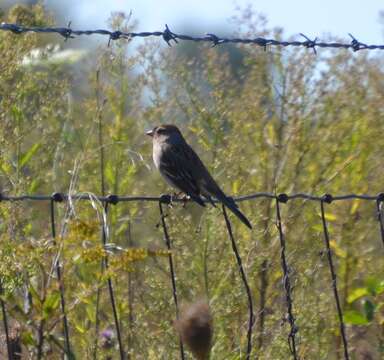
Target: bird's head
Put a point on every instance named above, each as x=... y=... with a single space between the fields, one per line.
x=166 y=133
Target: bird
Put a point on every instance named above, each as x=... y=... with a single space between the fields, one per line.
x=182 y=169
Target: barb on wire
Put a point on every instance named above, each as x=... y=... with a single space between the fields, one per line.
x=110 y=285
x=166 y=199
x=283 y=198
x=328 y=199
x=245 y=282
x=56 y=197
x=167 y=35
x=310 y=44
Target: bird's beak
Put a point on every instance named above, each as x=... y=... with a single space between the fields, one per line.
x=149 y=133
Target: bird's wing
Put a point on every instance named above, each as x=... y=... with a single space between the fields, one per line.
x=177 y=165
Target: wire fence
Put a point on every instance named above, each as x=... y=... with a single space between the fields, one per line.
x=169 y=36
x=279 y=199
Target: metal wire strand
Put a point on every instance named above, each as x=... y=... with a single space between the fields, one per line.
x=5 y=321
x=110 y=286
x=166 y=199
x=379 y=204
x=334 y=279
x=251 y=319
x=168 y=36
x=286 y=282
x=60 y=280
x=113 y=199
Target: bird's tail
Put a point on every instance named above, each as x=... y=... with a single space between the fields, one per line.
x=231 y=205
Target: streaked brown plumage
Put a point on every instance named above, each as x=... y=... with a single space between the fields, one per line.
x=182 y=168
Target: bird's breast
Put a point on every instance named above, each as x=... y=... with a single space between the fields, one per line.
x=156 y=154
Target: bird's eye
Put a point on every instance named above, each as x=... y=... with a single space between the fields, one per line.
x=161 y=131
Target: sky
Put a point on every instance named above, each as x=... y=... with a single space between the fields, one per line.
x=313 y=18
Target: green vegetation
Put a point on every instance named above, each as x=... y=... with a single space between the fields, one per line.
x=281 y=120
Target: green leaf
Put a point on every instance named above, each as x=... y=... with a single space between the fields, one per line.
x=5 y=168
x=330 y=217
x=51 y=303
x=338 y=251
x=369 y=309
x=91 y=314
x=17 y=113
x=33 y=186
x=374 y=285
x=35 y=296
x=28 y=155
x=27 y=338
x=80 y=329
x=353 y=317
x=357 y=294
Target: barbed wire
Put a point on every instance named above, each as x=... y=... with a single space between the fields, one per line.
x=169 y=36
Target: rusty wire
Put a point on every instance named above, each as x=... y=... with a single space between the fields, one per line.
x=168 y=36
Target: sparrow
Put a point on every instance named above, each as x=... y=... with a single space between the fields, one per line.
x=182 y=168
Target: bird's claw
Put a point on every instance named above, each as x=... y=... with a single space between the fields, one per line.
x=180 y=196
x=183 y=197
x=165 y=199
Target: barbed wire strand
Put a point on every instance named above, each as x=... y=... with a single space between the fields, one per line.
x=5 y=321
x=166 y=199
x=110 y=285
x=168 y=36
x=286 y=280
x=57 y=198
x=328 y=199
x=251 y=319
